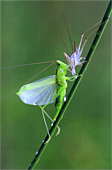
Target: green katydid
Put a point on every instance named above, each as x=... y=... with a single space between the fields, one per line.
x=53 y=88
x=47 y=90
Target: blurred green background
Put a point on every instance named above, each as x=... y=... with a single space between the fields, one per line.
x=29 y=35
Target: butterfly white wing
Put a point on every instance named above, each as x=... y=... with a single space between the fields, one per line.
x=39 y=92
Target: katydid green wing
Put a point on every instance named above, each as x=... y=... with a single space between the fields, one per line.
x=39 y=92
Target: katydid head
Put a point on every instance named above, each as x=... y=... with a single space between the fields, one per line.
x=62 y=67
x=61 y=64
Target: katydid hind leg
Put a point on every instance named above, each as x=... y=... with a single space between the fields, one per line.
x=44 y=112
x=45 y=125
x=52 y=122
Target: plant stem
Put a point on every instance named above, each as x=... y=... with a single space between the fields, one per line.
x=75 y=85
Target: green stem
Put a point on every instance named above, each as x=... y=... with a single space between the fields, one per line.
x=75 y=85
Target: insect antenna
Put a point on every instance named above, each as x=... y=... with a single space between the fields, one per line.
x=68 y=32
x=28 y=64
x=59 y=31
x=41 y=71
